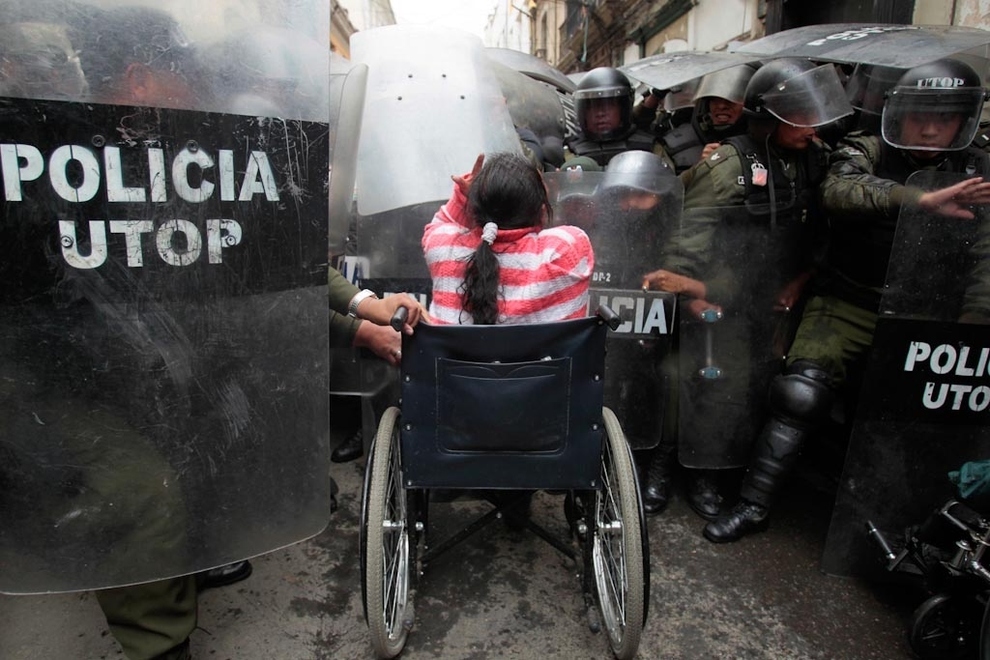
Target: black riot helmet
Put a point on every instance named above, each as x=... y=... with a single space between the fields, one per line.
x=934 y=107
x=600 y=88
x=797 y=92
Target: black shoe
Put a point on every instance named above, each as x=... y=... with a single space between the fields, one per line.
x=656 y=494
x=704 y=498
x=350 y=449
x=223 y=575
x=744 y=518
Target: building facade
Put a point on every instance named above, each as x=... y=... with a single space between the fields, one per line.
x=578 y=35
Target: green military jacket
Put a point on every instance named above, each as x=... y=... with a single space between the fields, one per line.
x=343 y=328
x=715 y=193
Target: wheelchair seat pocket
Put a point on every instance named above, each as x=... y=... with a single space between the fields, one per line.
x=503 y=407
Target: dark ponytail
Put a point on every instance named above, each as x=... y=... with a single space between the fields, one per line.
x=509 y=192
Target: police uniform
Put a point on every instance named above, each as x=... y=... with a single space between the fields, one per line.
x=862 y=195
x=750 y=226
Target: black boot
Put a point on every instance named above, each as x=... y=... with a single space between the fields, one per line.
x=744 y=518
x=703 y=495
x=656 y=489
x=799 y=401
x=350 y=449
x=223 y=575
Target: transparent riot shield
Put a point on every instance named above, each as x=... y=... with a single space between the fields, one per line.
x=164 y=327
x=669 y=70
x=628 y=226
x=902 y=46
x=347 y=89
x=923 y=407
x=433 y=103
x=733 y=343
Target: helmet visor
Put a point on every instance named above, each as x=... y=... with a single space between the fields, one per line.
x=729 y=84
x=810 y=99
x=932 y=119
x=681 y=97
x=868 y=85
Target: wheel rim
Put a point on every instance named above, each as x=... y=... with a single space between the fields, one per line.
x=608 y=553
x=395 y=555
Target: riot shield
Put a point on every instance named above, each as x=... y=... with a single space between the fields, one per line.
x=923 y=406
x=347 y=88
x=669 y=70
x=901 y=46
x=433 y=103
x=627 y=238
x=532 y=66
x=164 y=324
x=730 y=349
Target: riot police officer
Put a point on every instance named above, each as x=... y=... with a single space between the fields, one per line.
x=717 y=115
x=743 y=254
x=928 y=121
x=604 y=103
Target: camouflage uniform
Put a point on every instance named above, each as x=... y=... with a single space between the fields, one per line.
x=862 y=195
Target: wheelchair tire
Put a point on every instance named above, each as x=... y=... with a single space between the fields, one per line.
x=945 y=627
x=386 y=548
x=617 y=545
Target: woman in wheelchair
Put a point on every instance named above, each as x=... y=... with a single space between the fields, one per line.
x=510 y=404
x=492 y=261
x=490 y=257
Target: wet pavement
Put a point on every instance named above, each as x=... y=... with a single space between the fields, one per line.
x=507 y=594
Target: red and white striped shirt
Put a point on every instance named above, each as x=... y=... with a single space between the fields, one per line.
x=543 y=275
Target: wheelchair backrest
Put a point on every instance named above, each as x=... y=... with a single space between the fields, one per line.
x=503 y=406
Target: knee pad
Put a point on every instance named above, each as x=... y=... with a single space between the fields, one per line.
x=801 y=395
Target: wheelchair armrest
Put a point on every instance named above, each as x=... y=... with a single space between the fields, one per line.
x=612 y=320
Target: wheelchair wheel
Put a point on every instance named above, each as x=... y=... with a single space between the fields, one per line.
x=617 y=550
x=945 y=627
x=386 y=548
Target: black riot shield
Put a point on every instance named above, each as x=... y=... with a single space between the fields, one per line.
x=731 y=345
x=925 y=400
x=628 y=223
x=164 y=327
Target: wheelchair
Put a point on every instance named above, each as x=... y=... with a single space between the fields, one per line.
x=497 y=409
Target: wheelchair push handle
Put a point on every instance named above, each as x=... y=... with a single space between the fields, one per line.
x=399 y=319
x=612 y=320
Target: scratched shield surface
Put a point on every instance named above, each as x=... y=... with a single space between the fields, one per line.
x=924 y=409
x=628 y=216
x=163 y=341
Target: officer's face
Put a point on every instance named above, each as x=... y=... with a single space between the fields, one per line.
x=793 y=137
x=933 y=130
x=723 y=111
x=638 y=200
x=603 y=116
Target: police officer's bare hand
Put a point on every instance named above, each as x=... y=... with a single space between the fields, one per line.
x=463 y=181
x=953 y=201
x=697 y=307
x=381 y=311
x=709 y=149
x=664 y=280
x=789 y=294
x=383 y=341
